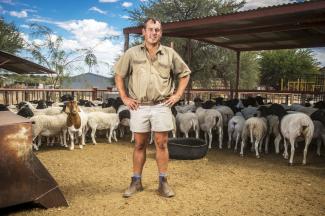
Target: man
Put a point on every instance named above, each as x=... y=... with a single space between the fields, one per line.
x=150 y=69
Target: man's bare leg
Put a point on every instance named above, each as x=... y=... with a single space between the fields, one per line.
x=162 y=158
x=139 y=158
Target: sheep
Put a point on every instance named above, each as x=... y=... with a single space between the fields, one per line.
x=319 y=135
x=293 y=126
x=256 y=128
x=76 y=122
x=226 y=113
x=101 y=121
x=235 y=128
x=274 y=113
x=307 y=110
x=46 y=111
x=249 y=112
x=186 y=121
x=48 y=125
x=209 y=119
x=98 y=109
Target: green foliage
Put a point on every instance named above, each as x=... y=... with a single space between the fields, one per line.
x=10 y=38
x=286 y=64
x=207 y=62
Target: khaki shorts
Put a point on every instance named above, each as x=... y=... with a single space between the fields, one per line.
x=151 y=118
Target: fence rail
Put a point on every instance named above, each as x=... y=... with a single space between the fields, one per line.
x=14 y=96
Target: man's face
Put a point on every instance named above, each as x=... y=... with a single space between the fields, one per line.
x=152 y=33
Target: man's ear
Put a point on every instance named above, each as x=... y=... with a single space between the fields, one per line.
x=143 y=31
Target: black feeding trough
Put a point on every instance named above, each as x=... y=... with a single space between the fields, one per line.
x=187 y=148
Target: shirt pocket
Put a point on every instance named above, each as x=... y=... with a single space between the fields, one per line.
x=139 y=65
x=164 y=70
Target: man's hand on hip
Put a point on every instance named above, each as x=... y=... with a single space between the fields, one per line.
x=172 y=100
x=130 y=103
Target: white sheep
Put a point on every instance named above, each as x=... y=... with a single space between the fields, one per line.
x=235 y=128
x=101 y=121
x=256 y=128
x=293 y=126
x=226 y=113
x=273 y=128
x=249 y=112
x=208 y=120
x=187 y=121
x=49 y=125
x=46 y=111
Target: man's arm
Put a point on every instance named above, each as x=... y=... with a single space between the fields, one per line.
x=183 y=81
x=129 y=102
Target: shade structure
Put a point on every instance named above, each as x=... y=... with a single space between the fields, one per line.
x=20 y=65
x=296 y=25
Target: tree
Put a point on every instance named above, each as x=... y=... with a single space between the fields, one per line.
x=287 y=65
x=50 y=53
x=10 y=37
x=207 y=62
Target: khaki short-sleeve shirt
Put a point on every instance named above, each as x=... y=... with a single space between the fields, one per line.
x=151 y=80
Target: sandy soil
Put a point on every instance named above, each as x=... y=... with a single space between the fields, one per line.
x=222 y=183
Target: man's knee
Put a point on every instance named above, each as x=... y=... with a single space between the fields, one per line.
x=161 y=142
x=140 y=146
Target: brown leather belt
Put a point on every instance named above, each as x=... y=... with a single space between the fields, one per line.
x=151 y=103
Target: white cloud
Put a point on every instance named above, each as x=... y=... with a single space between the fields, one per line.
x=20 y=14
x=127 y=4
x=7 y=2
x=143 y=0
x=30 y=10
x=319 y=53
x=107 y=1
x=24 y=26
x=125 y=17
x=89 y=33
x=97 y=10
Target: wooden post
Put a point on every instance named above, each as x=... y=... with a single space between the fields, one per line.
x=94 y=94
x=172 y=44
x=237 y=73
x=189 y=56
x=126 y=41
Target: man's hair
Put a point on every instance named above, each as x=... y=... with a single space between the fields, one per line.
x=154 y=20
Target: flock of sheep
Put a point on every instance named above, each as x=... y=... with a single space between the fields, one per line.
x=233 y=121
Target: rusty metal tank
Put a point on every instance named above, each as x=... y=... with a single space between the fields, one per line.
x=23 y=178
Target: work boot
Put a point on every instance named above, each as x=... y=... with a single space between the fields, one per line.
x=164 y=189
x=134 y=187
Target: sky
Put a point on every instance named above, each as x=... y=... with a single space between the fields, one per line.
x=83 y=23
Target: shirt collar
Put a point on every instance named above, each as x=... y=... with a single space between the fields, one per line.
x=160 y=48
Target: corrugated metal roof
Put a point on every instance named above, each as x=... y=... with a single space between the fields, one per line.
x=19 y=65
x=292 y=25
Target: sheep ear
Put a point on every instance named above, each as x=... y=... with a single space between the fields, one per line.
x=79 y=109
x=66 y=109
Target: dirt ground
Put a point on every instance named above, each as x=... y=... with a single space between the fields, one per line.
x=222 y=183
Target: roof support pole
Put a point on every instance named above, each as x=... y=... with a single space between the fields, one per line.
x=126 y=41
x=189 y=57
x=237 y=73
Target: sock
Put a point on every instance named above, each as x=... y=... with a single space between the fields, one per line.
x=161 y=175
x=136 y=175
